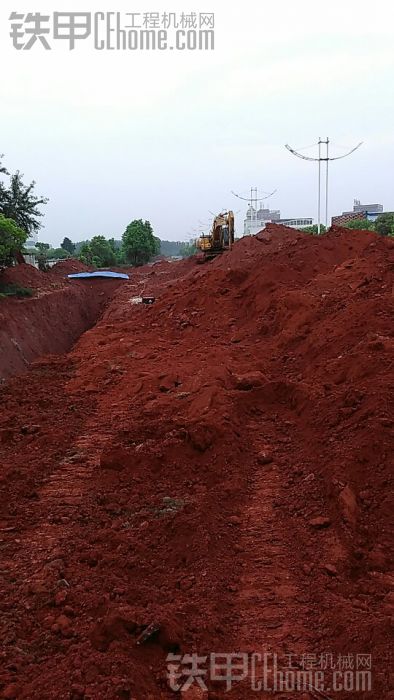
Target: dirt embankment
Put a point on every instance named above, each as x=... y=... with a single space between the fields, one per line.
x=216 y=465
x=50 y=321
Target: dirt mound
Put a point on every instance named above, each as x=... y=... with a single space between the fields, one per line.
x=68 y=267
x=25 y=276
x=207 y=474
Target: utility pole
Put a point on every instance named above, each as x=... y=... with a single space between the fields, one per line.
x=322 y=157
x=319 y=190
x=253 y=202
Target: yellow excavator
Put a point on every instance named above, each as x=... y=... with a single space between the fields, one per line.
x=220 y=237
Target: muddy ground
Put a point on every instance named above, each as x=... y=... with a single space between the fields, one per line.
x=210 y=474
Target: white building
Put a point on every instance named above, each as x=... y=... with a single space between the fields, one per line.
x=256 y=220
x=296 y=223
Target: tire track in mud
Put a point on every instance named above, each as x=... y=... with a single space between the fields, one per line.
x=51 y=516
x=189 y=531
x=272 y=607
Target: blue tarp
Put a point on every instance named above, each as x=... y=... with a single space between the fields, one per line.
x=98 y=273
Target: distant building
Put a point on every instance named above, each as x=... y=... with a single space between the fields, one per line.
x=257 y=220
x=360 y=211
x=32 y=240
x=367 y=208
x=296 y=223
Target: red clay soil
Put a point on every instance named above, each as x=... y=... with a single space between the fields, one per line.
x=53 y=319
x=209 y=474
x=40 y=282
x=69 y=267
x=27 y=276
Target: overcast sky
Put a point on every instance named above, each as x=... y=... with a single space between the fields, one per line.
x=166 y=135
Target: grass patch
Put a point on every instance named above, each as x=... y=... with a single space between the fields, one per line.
x=14 y=290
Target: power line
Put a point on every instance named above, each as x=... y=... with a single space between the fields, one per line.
x=320 y=159
x=252 y=200
x=254 y=195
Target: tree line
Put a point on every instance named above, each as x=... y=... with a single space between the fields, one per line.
x=384 y=225
x=20 y=218
x=136 y=247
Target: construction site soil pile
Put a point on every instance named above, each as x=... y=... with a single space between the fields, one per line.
x=206 y=474
x=68 y=267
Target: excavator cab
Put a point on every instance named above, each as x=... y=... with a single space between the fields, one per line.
x=205 y=242
x=221 y=236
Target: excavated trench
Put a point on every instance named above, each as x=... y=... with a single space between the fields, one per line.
x=50 y=322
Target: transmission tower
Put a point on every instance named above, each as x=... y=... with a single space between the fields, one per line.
x=323 y=157
x=253 y=200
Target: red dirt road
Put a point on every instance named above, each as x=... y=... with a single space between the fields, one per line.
x=216 y=465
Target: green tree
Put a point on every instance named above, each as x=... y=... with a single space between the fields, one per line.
x=187 y=249
x=103 y=254
x=42 y=246
x=120 y=257
x=314 y=229
x=384 y=224
x=68 y=245
x=46 y=253
x=85 y=254
x=78 y=246
x=116 y=247
x=114 y=243
x=169 y=248
x=139 y=244
x=58 y=254
x=12 y=240
x=18 y=202
x=42 y=260
x=98 y=252
x=360 y=225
